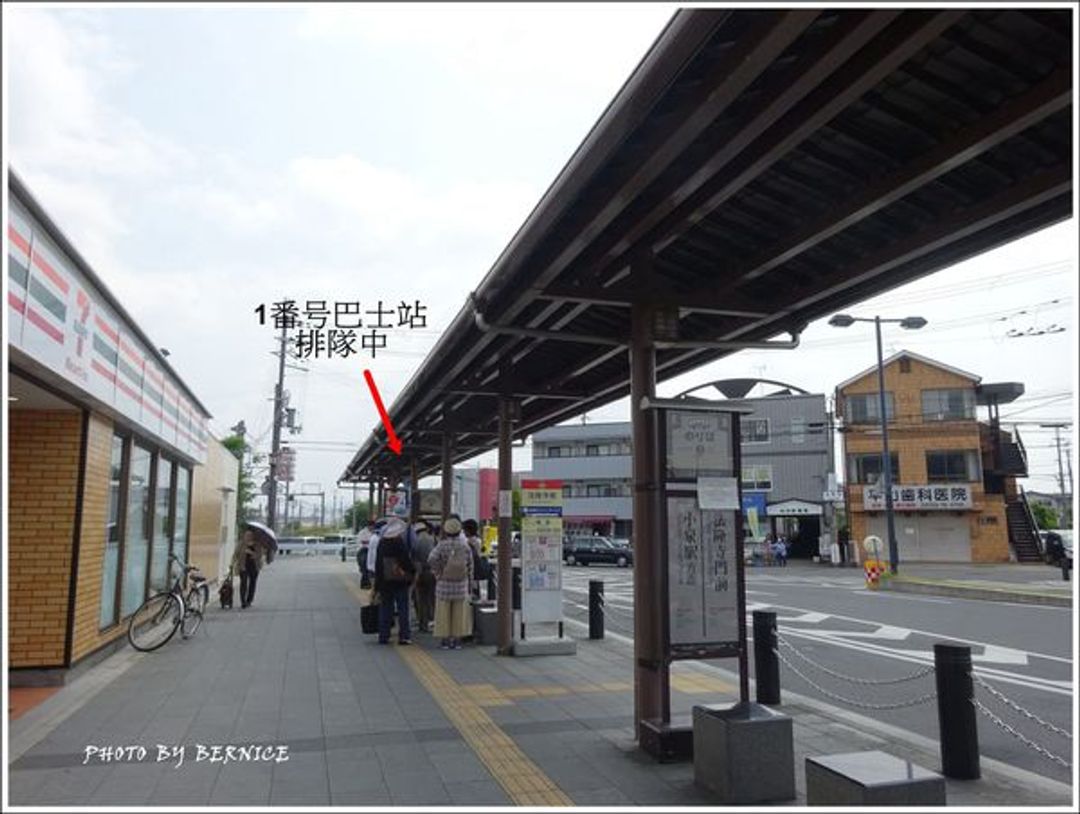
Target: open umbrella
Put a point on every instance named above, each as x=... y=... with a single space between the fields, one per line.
x=265 y=534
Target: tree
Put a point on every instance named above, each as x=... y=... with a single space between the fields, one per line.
x=1045 y=517
x=245 y=483
x=359 y=511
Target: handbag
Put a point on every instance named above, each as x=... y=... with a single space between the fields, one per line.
x=369 y=618
x=393 y=572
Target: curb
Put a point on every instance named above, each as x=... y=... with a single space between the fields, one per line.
x=937 y=588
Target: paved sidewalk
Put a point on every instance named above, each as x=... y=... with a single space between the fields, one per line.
x=370 y=725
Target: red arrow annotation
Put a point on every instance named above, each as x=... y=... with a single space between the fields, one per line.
x=392 y=440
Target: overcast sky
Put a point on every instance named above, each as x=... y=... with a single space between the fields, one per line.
x=206 y=160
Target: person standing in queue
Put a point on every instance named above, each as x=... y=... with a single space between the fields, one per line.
x=394 y=573
x=451 y=562
x=424 y=589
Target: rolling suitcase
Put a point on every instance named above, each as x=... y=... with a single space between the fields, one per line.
x=369 y=618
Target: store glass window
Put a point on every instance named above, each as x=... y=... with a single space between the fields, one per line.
x=111 y=565
x=180 y=527
x=948 y=405
x=952 y=466
x=867 y=468
x=864 y=408
x=159 y=559
x=757 y=477
x=798 y=430
x=755 y=430
x=136 y=530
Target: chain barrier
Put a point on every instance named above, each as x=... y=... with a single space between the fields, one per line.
x=913 y=702
x=1031 y=716
x=867 y=682
x=1009 y=730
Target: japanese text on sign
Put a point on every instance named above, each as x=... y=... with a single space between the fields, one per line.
x=325 y=329
x=698 y=444
x=541 y=550
x=920 y=497
x=702 y=589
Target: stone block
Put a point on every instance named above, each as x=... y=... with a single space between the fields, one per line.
x=871 y=779
x=744 y=753
x=545 y=647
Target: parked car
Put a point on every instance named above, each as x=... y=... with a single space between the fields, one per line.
x=621 y=542
x=595 y=549
x=1056 y=544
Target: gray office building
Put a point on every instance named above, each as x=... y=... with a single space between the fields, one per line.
x=787 y=471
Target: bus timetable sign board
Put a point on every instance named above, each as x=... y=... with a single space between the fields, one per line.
x=702 y=520
x=541 y=551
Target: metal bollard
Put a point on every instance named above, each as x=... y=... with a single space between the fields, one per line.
x=1066 y=567
x=766 y=664
x=596 y=609
x=343 y=553
x=956 y=712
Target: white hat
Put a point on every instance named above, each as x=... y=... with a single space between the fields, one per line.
x=452 y=527
x=395 y=527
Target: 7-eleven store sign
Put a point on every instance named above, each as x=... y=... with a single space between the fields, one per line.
x=59 y=319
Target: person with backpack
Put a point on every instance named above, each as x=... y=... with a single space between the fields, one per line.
x=394 y=573
x=451 y=563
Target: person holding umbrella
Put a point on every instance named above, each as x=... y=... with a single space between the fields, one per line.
x=257 y=546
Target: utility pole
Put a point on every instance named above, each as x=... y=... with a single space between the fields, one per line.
x=1068 y=461
x=275 y=444
x=1061 y=472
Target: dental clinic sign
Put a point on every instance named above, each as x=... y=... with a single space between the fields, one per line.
x=921 y=498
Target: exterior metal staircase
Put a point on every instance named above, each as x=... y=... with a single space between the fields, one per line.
x=1023 y=531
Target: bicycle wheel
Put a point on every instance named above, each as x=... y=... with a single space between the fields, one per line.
x=155 y=622
x=194 y=605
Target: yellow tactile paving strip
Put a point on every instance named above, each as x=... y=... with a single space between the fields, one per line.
x=521 y=779
x=697 y=683
x=488 y=695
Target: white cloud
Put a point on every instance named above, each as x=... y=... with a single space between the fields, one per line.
x=502 y=42
x=60 y=73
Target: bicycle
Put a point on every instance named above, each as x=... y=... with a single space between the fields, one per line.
x=159 y=617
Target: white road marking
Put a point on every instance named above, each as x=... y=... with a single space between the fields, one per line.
x=908 y=631
x=1057 y=687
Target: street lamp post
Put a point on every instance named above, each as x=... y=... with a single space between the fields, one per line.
x=909 y=323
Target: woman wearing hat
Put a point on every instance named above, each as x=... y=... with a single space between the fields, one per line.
x=451 y=562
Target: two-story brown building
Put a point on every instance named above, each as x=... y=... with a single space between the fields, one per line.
x=954 y=479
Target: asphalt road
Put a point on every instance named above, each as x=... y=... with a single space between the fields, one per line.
x=1024 y=652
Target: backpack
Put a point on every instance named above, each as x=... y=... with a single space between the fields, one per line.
x=457 y=566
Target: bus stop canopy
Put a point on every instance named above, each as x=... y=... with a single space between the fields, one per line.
x=761 y=168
